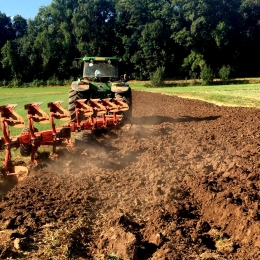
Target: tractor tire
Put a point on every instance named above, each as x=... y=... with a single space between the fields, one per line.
x=25 y=150
x=127 y=97
x=82 y=139
x=73 y=96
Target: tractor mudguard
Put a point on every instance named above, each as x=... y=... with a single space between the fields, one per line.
x=80 y=85
x=120 y=87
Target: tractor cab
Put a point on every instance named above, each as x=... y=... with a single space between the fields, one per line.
x=102 y=69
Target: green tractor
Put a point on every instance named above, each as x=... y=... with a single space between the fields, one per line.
x=100 y=81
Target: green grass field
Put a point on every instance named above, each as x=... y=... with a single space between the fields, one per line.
x=240 y=95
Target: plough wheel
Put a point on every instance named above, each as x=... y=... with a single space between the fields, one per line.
x=127 y=97
x=73 y=96
x=82 y=139
x=25 y=150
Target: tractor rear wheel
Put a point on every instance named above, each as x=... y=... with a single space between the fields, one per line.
x=127 y=97
x=25 y=150
x=73 y=96
x=82 y=139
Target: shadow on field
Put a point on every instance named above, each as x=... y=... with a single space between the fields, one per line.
x=156 y=120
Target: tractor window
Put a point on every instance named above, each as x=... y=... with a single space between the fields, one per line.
x=100 y=69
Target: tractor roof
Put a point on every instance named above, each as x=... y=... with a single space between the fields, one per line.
x=87 y=58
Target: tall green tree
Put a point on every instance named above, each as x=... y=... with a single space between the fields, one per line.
x=10 y=60
x=207 y=28
x=6 y=30
x=93 y=25
x=249 y=42
x=6 y=34
x=19 y=25
x=145 y=35
x=54 y=43
x=182 y=36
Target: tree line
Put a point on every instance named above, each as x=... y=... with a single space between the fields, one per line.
x=181 y=36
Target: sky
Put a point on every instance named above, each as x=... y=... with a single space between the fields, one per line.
x=26 y=8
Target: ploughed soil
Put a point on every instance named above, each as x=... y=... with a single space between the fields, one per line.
x=181 y=182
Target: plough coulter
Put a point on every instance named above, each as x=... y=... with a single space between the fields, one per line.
x=90 y=114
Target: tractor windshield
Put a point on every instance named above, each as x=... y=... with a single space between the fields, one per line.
x=100 y=69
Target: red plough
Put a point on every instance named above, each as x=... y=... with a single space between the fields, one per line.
x=90 y=115
x=10 y=118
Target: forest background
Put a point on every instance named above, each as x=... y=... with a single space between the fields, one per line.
x=182 y=38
